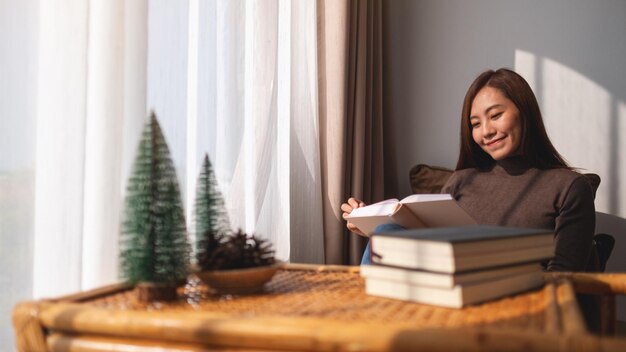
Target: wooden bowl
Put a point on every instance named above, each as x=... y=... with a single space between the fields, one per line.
x=239 y=281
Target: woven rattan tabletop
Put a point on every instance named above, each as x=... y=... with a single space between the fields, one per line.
x=339 y=295
x=304 y=307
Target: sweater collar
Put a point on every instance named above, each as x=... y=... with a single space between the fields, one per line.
x=514 y=165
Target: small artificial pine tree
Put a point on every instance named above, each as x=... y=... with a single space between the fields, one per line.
x=211 y=217
x=154 y=245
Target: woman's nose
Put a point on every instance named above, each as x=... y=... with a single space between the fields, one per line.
x=488 y=130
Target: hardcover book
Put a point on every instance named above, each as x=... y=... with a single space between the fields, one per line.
x=442 y=280
x=457 y=296
x=457 y=249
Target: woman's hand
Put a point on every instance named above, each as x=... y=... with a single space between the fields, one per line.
x=347 y=208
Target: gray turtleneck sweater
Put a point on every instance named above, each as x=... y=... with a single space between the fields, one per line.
x=513 y=194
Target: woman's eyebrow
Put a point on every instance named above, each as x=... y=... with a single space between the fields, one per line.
x=495 y=106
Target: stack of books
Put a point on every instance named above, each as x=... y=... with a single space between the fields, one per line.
x=457 y=266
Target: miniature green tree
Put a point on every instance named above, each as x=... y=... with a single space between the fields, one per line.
x=154 y=243
x=211 y=217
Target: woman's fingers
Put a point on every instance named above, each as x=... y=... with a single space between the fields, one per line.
x=345 y=207
x=354 y=203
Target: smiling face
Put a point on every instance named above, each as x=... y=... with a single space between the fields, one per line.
x=495 y=123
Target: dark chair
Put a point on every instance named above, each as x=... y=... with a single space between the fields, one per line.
x=604 y=244
x=600 y=313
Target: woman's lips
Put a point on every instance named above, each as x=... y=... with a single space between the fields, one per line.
x=489 y=144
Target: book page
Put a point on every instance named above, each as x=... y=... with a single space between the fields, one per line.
x=414 y=198
x=386 y=207
x=442 y=212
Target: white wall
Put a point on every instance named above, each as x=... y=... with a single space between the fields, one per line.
x=572 y=52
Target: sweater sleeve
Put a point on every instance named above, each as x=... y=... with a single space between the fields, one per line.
x=574 y=229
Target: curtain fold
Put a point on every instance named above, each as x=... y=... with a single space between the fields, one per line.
x=351 y=118
x=60 y=158
x=306 y=228
x=103 y=124
x=91 y=106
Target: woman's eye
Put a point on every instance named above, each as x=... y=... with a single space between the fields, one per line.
x=496 y=116
x=475 y=125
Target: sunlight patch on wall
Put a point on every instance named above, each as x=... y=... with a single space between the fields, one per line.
x=526 y=66
x=582 y=119
x=577 y=114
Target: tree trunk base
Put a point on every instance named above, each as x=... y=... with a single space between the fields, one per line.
x=153 y=291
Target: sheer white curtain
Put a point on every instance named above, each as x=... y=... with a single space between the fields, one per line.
x=236 y=79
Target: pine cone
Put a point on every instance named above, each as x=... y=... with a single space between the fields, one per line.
x=237 y=251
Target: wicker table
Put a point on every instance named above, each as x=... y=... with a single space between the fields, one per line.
x=305 y=307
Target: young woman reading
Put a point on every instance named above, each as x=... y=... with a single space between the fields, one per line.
x=509 y=174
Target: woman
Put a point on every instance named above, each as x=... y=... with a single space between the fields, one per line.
x=509 y=173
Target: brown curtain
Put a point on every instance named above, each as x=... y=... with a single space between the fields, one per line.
x=351 y=116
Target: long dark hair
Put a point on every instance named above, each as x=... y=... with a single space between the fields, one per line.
x=535 y=147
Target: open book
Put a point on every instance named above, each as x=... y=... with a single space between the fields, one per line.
x=414 y=211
